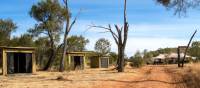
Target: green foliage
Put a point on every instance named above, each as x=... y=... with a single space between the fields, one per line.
x=195 y=49
x=42 y=49
x=160 y=51
x=147 y=57
x=42 y=42
x=154 y=53
x=50 y=16
x=167 y=50
x=24 y=40
x=180 y=6
x=48 y=10
x=113 y=58
x=164 y=2
x=6 y=28
x=76 y=43
x=103 y=46
x=137 y=60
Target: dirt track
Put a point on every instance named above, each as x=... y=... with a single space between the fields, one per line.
x=146 y=77
x=150 y=77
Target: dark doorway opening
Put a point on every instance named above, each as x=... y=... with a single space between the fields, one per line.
x=78 y=62
x=94 y=62
x=19 y=63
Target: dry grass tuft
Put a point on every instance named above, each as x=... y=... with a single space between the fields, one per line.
x=192 y=76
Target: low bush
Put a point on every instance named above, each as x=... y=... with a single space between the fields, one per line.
x=192 y=77
x=137 y=62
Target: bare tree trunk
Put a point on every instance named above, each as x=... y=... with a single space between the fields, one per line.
x=122 y=42
x=117 y=64
x=50 y=61
x=121 y=59
x=53 y=52
x=183 y=60
x=67 y=30
x=62 y=61
x=178 y=53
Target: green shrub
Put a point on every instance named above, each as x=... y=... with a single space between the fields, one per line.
x=137 y=62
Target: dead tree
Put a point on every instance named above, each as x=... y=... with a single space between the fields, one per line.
x=181 y=61
x=120 y=37
x=188 y=47
x=67 y=30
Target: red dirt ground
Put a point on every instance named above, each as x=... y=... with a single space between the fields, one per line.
x=160 y=76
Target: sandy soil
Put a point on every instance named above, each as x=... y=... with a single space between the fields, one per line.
x=145 y=77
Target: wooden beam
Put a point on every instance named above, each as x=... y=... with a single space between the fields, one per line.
x=4 y=62
x=108 y=62
x=99 y=61
x=84 y=61
x=18 y=51
x=33 y=63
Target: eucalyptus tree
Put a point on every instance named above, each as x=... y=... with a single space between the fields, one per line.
x=7 y=26
x=50 y=16
x=102 y=46
x=76 y=43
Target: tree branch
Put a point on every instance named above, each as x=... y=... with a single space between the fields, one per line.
x=74 y=21
x=125 y=33
x=104 y=32
x=109 y=29
x=100 y=27
x=189 y=44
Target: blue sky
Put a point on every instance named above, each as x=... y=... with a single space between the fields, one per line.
x=151 y=25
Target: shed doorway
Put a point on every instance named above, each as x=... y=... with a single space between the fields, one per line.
x=94 y=62
x=78 y=62
x=19 y=63
x=104 y=62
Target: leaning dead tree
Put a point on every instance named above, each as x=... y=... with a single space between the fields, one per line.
x=188 y=47
x=181 y=61
x=120 y=35
x=69 y=26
